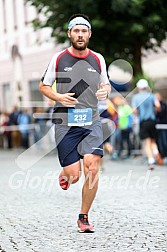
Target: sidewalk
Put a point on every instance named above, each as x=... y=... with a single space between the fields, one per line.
x=129 y=212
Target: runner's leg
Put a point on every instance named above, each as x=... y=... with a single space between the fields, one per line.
x=72 y=172
x=148 y=149
x=91 y=168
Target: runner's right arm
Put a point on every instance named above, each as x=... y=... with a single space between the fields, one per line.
x=46 y=83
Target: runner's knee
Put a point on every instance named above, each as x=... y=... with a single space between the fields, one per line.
x=92 y=166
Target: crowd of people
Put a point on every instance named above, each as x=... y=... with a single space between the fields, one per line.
x=139 y=128
x=21 y=129
x=121 y=125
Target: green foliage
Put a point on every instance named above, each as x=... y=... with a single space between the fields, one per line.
x=120 y=27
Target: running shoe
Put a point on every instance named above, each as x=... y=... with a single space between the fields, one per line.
x=63 y=183
x=84 y=226
x=151 y=167
x=159 y=159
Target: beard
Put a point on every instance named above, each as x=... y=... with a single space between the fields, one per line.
x=79 y=47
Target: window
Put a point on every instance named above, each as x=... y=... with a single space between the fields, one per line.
x=14 y=14
x=4 y=14
x=25 y=14
x=6 y=92
x=35 y=95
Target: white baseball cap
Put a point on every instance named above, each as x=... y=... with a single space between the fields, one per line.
x=142 y=83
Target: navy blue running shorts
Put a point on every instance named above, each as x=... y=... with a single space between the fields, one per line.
x=74 y=142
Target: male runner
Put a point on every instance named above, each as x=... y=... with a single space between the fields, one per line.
x=81 y=80
x=144 y=104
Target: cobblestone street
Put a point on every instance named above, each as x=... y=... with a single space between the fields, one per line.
x=36 y=215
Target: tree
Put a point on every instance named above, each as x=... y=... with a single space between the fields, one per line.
x=121 y=29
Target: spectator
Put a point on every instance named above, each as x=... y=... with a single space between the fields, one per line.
x=106 y=110
x=40 y=121
x=116 y=136
x=125 y=125
x=4 y=121
x=136 y=143
x=162 y=133
x=49 y=123
x=14 y=115
x=24 y=120
x=15 y=134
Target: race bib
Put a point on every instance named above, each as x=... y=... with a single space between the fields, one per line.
x=79 y=117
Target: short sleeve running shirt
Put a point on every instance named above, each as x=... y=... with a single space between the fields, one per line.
x=79 y=75
x=124 y=116
x=144 y=103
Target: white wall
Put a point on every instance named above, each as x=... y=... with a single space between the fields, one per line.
x=34 y=56
x=155 y=64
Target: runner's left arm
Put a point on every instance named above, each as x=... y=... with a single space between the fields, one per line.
x=104 y=85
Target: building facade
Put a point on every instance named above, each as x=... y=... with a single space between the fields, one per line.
x=24 y=54
x=155 y=65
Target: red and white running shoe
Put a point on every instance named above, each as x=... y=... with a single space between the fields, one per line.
x=84 y=226
x=63 y=182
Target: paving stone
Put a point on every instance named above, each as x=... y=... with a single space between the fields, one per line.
x=129 y=213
